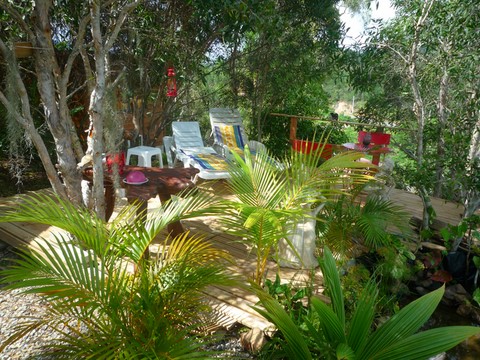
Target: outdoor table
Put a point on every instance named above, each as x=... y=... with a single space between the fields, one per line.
x=374 y=150
x=163 y=182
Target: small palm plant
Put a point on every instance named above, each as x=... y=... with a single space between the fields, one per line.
x=107 y=300
x=348 y=224
x=269 y=198
x=330 y=334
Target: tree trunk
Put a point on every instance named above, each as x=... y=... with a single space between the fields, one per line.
x=419 y=108
x=46 y=67
x=101 y=47
x=442 y=121
x=97 y=98
x=25 y=119
x=472 y=198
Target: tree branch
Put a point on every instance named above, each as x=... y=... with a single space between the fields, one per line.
x=18 y=18
x=119 y=23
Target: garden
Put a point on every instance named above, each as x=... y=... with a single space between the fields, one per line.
x=99 y=78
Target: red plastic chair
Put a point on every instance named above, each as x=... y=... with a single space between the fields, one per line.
x=377 y=138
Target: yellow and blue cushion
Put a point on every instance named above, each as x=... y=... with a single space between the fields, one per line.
x=230 y=135
x=210 y=161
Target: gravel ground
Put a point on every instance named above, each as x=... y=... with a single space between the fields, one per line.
x=14 y=305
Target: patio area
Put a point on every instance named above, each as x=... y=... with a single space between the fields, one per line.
x=231 y=305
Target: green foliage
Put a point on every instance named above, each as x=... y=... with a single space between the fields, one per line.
x=268 y=195
x=289 y=296
x=466 y=230
x=348 y=223
x=106 y=299
x=476 y=295
x=447 y=55
x=355 y=336
x=277 y=132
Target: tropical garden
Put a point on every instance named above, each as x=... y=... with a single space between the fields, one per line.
x=80 y=78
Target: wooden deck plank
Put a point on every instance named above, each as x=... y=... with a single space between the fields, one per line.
x=447 y=211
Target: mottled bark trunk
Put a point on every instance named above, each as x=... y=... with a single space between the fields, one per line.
x=95 y=141
x=102 y=44
x=419 y=107
x=48 y=76
x=25 y=119
x=472 y=198
x=442 y=121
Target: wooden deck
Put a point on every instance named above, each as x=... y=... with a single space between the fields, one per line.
x=232 y=305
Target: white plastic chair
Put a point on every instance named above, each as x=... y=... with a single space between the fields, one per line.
x=229 y=133
x=144 y=155
x=191 y=151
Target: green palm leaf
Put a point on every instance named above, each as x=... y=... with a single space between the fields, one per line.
x=52 y=210
x=403 y=324
x=334 y=287
x=329 y=321
x=363 y=317
x=427 y=343
x=294 y=345
x=125 y=304
x=379 y=216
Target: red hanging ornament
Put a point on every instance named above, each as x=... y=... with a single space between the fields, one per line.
x=171 y=83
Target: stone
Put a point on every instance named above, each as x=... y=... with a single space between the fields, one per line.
x=421 y=290
x=426 y=283
x=460 y=289
x=458 y=293
x=464 y=310
x=449 y=293
x=253 y=340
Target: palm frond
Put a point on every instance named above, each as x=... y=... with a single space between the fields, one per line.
x=294 y=345
x=330 y=323
x=82 y=224
x=333 y=284
x=428 y=343
x=363 y=316
x=67 y=276
x=403 y=324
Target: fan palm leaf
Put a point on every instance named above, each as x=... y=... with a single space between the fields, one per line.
x=377 y=218
x=363 y=317
x=348 y=224
x=295 y=345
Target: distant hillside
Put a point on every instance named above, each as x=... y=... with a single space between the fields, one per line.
x=344 y=108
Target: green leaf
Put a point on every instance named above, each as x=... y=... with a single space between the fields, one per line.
x=331 y=325
x=295 y=345
x=427 y=343
x=403 y=324
x=334 y=287
x=344 y=352
x=362 y=320
x=476 y=295
x=476 y=261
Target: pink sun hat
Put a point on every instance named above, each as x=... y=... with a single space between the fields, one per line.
x=135 y=177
